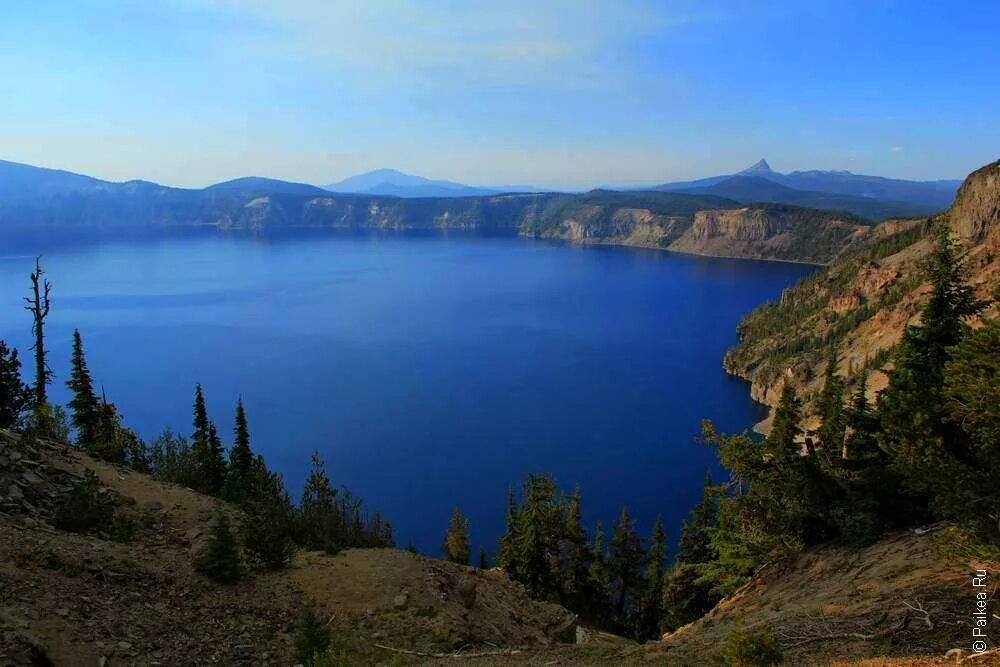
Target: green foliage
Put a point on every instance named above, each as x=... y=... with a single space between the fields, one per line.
x=456 y=547
x=626 y=558
x=240 y=459
x=208 y=464
x=221 y=559
x=746 y=648
x=507 y=556
x=84 y=407
x=312 y=638
x=15 y=396
x=268 y=528
x=86 y=508
x=329 y=519
x=647 y=612
x=170 y=459
x=546 y=548
x=789 y=333
x=928 y=448
x=48 y=421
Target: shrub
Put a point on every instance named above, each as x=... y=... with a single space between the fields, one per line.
x=312 y=638
x=85 y=508
x=745 y=648
x=267 y=535
x=221 y=560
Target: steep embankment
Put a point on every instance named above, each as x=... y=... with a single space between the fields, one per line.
x=128 y=593
x=861 y=304
x=902 y=597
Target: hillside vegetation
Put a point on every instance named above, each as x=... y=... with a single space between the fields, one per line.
x=860 y=305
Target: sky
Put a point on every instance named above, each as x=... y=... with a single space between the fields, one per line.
x=555 y=94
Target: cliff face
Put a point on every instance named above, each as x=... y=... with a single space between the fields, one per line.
x=977 y=205
x=773 y=232
x=861 y=304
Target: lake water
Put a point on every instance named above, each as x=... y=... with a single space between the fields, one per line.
x=429 y=371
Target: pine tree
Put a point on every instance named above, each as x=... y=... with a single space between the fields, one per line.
x=15 y=396
x=575 y=555
x=507 y=556
x=483 y=562
x=538 y=532
x=600 y=573
x=456 y=547
x=695 y=544
x=319 y=525
x=915 y=426
x=647 y=616
x=85 y=410
x=626 y=558
x=207 y=453
x=831 y=412
x=312 y=638
x=269 y=521
x=221 y=560
x=216 y=461
x=972 y=395
x=240 y=459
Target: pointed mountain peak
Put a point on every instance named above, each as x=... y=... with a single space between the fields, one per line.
x=760 y=168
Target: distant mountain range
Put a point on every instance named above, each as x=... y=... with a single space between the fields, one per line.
x=397 y=184
x=869 y=196
x=34 y=196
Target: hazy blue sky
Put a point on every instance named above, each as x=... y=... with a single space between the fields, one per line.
x=563 y=94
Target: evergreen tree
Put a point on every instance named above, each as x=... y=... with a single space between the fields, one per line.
x=538 y=533
x=216 y=461
x=221 y=560
x=268 y=525
x=507 y=556
x=972 y=395
x=626 y=558
x=208 y=462
x=456 y=547
x=687 y=595
x=915 y=427
x=831 y=412
x=647 y=616
x=483 y=563
x=84 y=407
x=575 y=554
x=15 y=396
x=600 y=572
x=318 y=520
x=312 y=638
x=695 y=544
x=240 y=458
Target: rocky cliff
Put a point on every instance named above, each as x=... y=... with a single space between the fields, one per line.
x=773 y=232
x=861 y=304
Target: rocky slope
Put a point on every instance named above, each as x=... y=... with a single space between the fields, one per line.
x=116 y=597
x=862 y=303
x=905 y=596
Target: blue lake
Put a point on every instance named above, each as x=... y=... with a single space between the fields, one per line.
x=428 y=370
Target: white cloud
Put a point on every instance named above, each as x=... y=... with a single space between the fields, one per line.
x=579 y=43
x=895 y=149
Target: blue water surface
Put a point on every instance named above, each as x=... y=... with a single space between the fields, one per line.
x=430 y=371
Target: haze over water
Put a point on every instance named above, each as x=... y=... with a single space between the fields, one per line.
x=429 y=371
